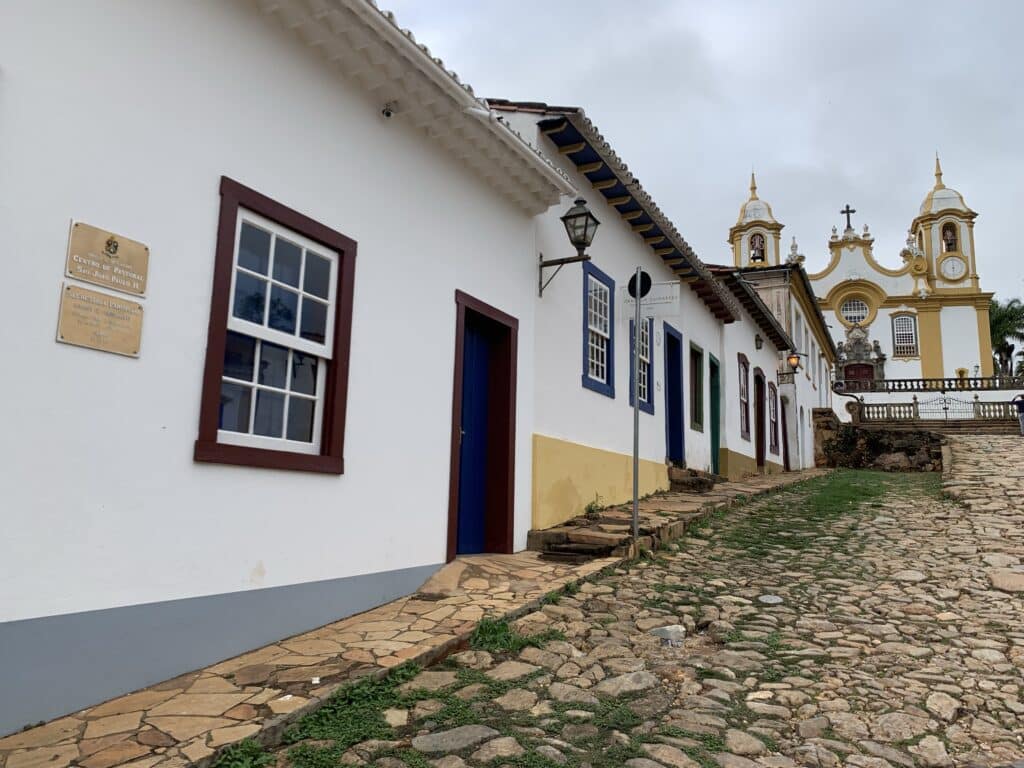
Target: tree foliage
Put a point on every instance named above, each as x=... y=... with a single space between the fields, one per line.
x=1006 y=324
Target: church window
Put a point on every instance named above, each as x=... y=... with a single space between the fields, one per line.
x=598 y=331
x=277 y=354
x=744 y=390
x=773 y=419
x=949 y=240
x=757 y=249
x=854 y=310
x=904 y=336
x=920 y=239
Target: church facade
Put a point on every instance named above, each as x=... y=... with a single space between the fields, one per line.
x=925 y=318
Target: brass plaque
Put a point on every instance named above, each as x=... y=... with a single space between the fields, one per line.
x=99 y=321
x=103 y=258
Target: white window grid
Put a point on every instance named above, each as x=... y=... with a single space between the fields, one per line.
x=598 y=328
x=262 y=330
x=904 y=336
x=255 y=386
x=854 y=310
x=293 y=342
x=773 y=418
x=644 y=353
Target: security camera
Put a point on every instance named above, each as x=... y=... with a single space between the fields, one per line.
x=388 y=111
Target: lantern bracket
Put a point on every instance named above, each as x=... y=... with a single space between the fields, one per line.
x=559 y=263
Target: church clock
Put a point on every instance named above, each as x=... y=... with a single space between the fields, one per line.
x=953 y=268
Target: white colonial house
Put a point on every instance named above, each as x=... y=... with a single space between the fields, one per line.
x=278 y=281
x=303 y=236
x=710 y=350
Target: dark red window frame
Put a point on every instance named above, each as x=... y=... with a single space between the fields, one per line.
x=744 y=375
x=331 y=457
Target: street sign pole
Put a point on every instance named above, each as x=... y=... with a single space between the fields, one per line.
x=636 y=411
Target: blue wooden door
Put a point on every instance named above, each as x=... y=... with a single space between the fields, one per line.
x=716 y=414
x=477 y=351
x=674 y=410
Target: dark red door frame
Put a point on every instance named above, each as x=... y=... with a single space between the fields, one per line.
x=759 y=431
x=501 y=426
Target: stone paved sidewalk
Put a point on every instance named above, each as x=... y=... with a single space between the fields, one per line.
x=852 y=621
x=186 y=720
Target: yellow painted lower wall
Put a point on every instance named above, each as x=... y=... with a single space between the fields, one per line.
x=567 y=476
x=930 y=332
x=736 y=466
x=985 y=341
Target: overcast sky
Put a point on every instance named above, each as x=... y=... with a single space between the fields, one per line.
x=830 y=103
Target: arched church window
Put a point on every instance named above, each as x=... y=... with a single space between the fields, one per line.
x=949 y=243
x=854 y=310
x=757 y=249
x=904 y=336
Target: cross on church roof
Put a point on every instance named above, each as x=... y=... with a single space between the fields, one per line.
x=847 y=211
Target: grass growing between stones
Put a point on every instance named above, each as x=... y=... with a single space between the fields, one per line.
x=497 y=636
x=778 y=523
x=244 y=754
x=354 y=713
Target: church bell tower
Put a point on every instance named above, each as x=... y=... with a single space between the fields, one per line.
x=756 y=235
x=944 y=231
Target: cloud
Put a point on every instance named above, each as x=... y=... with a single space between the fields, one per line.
x=831 y=102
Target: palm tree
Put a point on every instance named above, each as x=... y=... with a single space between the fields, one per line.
x=1006 y=324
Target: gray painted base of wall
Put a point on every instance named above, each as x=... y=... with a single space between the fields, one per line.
x=59 y=664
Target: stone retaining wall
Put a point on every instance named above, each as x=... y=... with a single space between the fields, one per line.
x=844 y=445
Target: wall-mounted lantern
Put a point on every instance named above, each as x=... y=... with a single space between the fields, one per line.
x=581 y=226
x=794 y=360
x=758 y=341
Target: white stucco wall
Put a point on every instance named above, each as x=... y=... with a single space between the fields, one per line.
x=566 y=410
x=103 y=505
x=738 y=337
x=960 y=348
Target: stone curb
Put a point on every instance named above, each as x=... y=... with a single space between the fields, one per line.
x=272 y=731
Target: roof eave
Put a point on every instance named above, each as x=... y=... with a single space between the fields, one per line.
x=367 y=46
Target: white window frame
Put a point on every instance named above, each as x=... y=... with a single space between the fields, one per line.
x=901 y=349
x=601 y=329
x=324 y=352
x=847 y=318
x=644 y=372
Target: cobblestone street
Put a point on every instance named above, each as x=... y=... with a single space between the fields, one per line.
x=858 y=619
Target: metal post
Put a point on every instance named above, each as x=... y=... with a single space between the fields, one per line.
x=636 y=413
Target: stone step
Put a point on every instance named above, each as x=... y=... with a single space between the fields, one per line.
x=690 y=481
x=589 y=550
x=568 y=558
